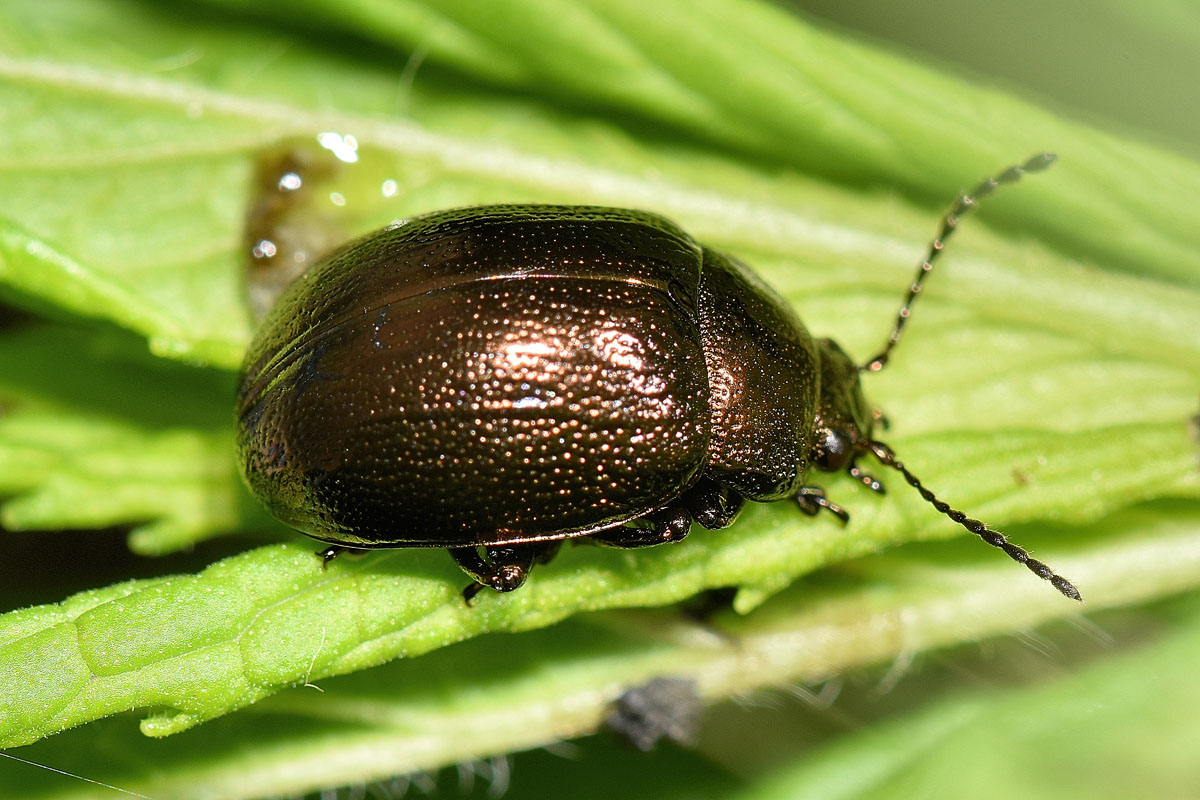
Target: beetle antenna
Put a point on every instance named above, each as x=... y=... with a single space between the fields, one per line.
x=994 y=538
x=965 y=204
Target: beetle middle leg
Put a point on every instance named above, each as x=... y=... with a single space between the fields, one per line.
x=811 y=500
x=670 y=524
x=504 y=568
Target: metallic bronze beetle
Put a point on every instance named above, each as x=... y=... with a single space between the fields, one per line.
x=507 y=377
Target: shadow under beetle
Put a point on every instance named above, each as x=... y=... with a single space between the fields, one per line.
x=507 y=377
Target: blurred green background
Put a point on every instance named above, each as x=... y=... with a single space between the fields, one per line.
x=1095 y=705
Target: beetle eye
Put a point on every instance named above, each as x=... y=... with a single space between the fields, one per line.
x=833 y=452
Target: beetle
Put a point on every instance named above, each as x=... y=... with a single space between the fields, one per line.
x=508 y=377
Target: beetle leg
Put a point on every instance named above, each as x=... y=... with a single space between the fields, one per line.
x=504 y=568
x=869 y=481
x=668 y=524
x=712 y=505
x=329 y=554
x=811 y=500
x=335 y=550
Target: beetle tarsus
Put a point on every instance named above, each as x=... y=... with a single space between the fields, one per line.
x=811 y=500
x=870 y=481
x=504 y=568
x=469 y=591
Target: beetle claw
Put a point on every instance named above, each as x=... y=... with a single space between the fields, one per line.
x=504 y=569
x=468 y=593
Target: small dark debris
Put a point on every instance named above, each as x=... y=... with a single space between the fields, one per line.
x=660 y=708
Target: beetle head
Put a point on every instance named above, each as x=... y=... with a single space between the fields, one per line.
x=844 y=422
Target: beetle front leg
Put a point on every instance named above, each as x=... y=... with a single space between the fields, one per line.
x=811 y=500
x=866 y=479
x=504 y=568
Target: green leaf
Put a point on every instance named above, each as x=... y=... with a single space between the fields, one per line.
x=498 y=694
x=756 y=80
x=117 y=438
x=199 y=646
x=1050 y=375
x=1104 y=732
x=158 y=228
